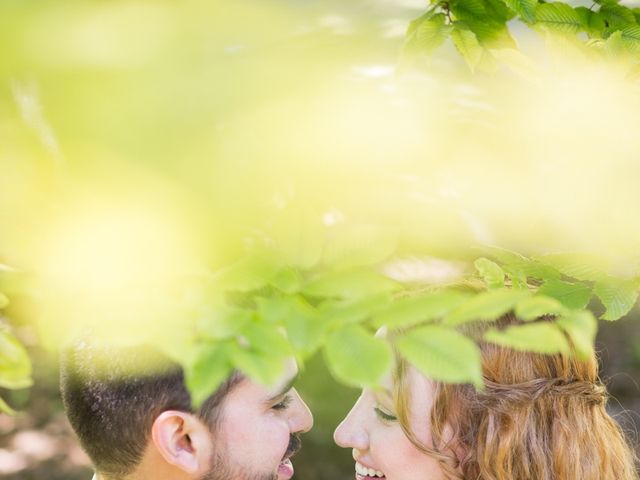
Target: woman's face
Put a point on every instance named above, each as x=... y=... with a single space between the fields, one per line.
x=380 y=447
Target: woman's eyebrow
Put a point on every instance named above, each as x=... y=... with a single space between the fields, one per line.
x=383 y=394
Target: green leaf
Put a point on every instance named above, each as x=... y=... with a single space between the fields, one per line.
x=261 y=352
x=247 y=274
x=540 y=337
x=580 y=266
x=592 y=22
x=616 y=16
x=339 y=313
x=467 y=44
x=15 y=365
x=211 y=366
x=631 y=38
x=572 y=295
x=582 y=327
x=352 y=283
x=487 y=306
x=503 y=255
x=262 y=367
x=4 y=407
x=537 y=306
x=468 y=8
x=429 y=34
x=497 y=10
x=415 y=23
x=218 y=323
x=558 y=17
x=305 y=327
x=525 y=8
x=287 y=280
x=618 y=295
x=265 y=339
x=356 y=357
x=489 y=32
x=409 y=311
x=491 y=272
x=442 y=354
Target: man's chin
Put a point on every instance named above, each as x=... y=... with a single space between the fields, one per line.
x=285 y=470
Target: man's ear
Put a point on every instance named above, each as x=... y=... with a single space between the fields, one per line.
x=183 y=441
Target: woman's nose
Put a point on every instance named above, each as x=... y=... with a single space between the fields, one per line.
x=351 y=433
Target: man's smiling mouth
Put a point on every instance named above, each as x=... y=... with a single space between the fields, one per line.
x=363 y=471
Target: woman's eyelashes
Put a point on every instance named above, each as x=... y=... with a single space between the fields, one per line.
x=284 y=403
x=382 y=415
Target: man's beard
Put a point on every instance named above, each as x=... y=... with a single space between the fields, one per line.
x=223 y=469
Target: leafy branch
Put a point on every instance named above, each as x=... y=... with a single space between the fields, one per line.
x=479 y=28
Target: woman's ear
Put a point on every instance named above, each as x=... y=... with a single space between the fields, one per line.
x=183 y=441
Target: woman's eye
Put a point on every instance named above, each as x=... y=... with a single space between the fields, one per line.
x=382 y=415
x=286 y=401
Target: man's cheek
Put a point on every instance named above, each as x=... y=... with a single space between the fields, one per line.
x=276 y=438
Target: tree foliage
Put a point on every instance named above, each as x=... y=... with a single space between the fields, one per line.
x=481 y=30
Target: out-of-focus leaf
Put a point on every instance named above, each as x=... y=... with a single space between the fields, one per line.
x=577 y=265
x=262 y=367
x=503 y=255
x=15 y=365
x=537 y=306
x=442 y=354
x=352 y=283
x=631 y=38
x=288 y=280
x=353 y=311
x=467 y=44
x=356 y=357
x=540 y=337
x=211 y=366
x=581 y=326
x=491 y=272
x=428 y=34
x=486 y=306
x=618 y=295
x=572 y=295
x=305 y=327
x=223 y=322
x=248 y=274
x=409 y=311
x=261 y=352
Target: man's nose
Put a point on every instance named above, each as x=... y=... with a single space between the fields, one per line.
x=301 y=419
x=351 y=432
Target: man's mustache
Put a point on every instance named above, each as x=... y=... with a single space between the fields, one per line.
x=294 y=445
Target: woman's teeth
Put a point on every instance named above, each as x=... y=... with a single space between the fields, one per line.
x=370 y=472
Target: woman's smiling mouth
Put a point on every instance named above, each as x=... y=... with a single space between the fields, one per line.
x=363 y=472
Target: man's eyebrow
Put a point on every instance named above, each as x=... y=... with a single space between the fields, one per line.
x=283 y=390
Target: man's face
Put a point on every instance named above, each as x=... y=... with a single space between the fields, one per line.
x=256 y=432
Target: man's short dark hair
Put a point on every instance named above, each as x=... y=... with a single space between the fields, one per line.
x=112 y=395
